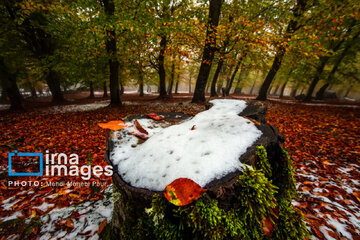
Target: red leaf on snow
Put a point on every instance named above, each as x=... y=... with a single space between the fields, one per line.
x=102 y=226
x=155 y=116
x=140 y=128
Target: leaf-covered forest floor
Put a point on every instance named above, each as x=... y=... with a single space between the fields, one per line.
x=322 y=139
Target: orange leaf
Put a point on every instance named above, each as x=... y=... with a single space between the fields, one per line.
x=69 y=223
x=102 y=226
x=183 y=191
x=155 y=116
x=113 y=125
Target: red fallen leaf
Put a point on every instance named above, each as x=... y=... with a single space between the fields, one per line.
x=113 y=125
x=183 y=191
x=102 y=226
x=140 y=128
x=155 y=116
x=193 y=127
x=269 y=224
x=139 y=135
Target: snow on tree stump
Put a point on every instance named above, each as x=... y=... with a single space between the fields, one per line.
x=251 y=203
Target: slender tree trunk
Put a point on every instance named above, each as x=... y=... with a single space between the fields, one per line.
x=161 y=68
x=113 y=61
x=219 y=86
x=316 y=78
x=33 y=91
x=293 y=91
x=276 y=89
x=190 y=83
x=348 y=91
x=216 y=75
x=299 y=10
x=176 y=87
x=230 y=83
x=172 y=77
x=252 y=88
x=283 y=89
x=105 y=95
x=209 y=51
x=237 y=87
x=9 y=83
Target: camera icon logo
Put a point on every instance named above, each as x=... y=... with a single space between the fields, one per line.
x=15 y=153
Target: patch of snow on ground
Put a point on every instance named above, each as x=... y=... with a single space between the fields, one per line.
x=4 y=106
x=77 y=108
x=92 y=214
x=204 y=148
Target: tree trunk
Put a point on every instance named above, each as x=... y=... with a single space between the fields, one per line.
x=161 y=68
x=298 y=11
x=52 y=80
x=190 y=83
x=113 y=61
x=176 y=87
x=276 y=89
x=283 y=89
x=216 y=75
x=33 y=91
x=230 y=83
x=320 y=93
x=293 y=91
x=141 y=82
x=237 y=87
x=172 y=77
x=105 y=95
x=348 y=91
x=209 y=51
x=10 y=86
x=219 y=87
x=141 y=89
x=92 y=95
x=316 y=78
x=252 y=88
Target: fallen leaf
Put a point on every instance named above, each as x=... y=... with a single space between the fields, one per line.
x=155 y=116
x=113 y=125
x=183 y=191
x=102 y=226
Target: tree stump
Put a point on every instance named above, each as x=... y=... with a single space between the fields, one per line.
x=250 y=204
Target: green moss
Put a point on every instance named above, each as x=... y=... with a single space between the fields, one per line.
x=291 y=223
x=262 y=161
x=288 y=183
x=204 y=219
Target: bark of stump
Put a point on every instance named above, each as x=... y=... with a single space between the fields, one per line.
x=138 y=199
